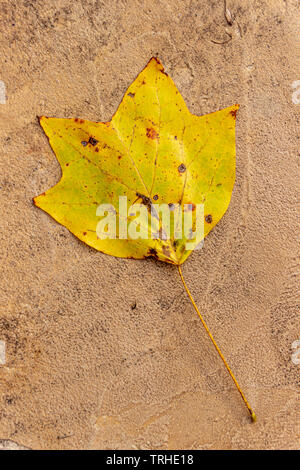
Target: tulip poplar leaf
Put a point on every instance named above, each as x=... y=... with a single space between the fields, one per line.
x=152 y=151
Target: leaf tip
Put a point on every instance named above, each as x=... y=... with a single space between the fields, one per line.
x=41 y=120
x=34 y=200
x=233 y=110
x=155 y=59
x=157 y=63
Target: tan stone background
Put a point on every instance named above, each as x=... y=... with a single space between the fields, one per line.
x=84 y=369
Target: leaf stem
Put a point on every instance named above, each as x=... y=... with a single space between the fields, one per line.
x=252 y=414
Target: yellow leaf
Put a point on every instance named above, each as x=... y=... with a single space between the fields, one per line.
x=153 y=151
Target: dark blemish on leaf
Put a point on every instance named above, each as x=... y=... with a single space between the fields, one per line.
x=84 y=143
x=151 y=133
x=155 y=197
x=76 y=119
x=96 y=149
x=219 y=184
x=67 y=164
x=84 y=233
x=131 y=95
x=145 y=200
x=171 y=206
x=152 y=252
x=119 y=157
x=208 y=219
x=181 y=168
x=175 y=137
x=93 y=141
x=175 y=244
x=81 y=121
x=233 y=113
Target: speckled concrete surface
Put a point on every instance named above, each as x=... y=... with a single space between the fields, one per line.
x=84 y=368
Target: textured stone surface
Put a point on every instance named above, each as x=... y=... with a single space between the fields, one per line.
x=83 y=368
x=7 y=444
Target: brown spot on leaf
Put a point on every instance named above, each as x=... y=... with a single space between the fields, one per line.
x=233 y=113
x=155 y=197
x=84 y=143
x=131 y=95
x=208 y=219
x=93 y=141
x=151 y=133
x=145 y=200
x=84 y=233
x=175 y=244
x=152 y=252
x=182 y=168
